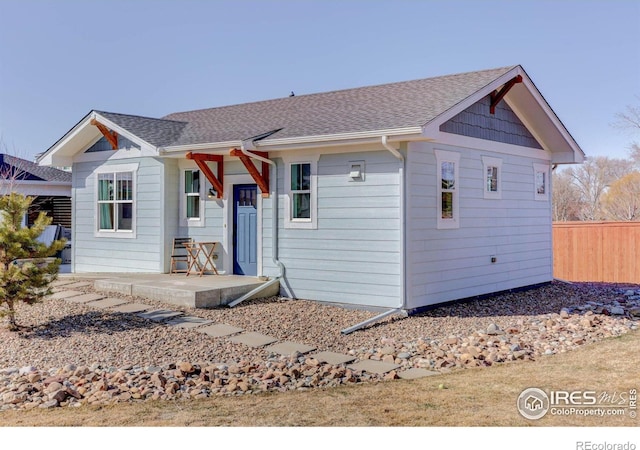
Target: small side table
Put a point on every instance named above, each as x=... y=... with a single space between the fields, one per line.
x=193 y=264
x=208 y=249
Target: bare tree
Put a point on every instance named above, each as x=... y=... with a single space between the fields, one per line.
x=622 y=199
x=592 y=179
x=566 y=201
x=12 y=170
x=629 y=121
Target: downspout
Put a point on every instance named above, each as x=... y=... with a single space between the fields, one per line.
x=274 y=225
x=400 y=309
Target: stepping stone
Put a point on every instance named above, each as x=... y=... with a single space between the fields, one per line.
x=253 y=339
x=188 y=322
x=334 y=359
x=59 y=283
x=107 y=302
x=78 y=284
x=158 y=315
x=369 y=365
x=131 y=308
x=287 y=348
x=416 y=372
x=220 y=330
x=85 y=298
x=63 y=295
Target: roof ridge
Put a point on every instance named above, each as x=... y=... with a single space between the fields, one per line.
x=137 y=116
x=353 y=89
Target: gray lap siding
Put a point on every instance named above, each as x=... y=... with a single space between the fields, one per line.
x=143 y=253
x=353 y=256
x=450 y=264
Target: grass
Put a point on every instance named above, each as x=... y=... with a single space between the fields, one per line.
x=472 y=397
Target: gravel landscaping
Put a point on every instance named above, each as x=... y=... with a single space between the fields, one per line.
x=71 y=354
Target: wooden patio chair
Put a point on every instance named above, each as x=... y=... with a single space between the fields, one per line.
x=180 y=256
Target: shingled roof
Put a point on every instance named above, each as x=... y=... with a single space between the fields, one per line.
x=14 y=168
x=381 y=107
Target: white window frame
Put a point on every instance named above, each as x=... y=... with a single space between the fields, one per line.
x=312 y=221
x=115 y=169
x=442 y=157
x=541 y=170
x=192 y=221
x=488 y=162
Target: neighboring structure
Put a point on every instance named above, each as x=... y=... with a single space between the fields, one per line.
x=398 y=196
x=50 y=187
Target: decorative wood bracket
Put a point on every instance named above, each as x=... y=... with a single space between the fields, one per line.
x=261 y=179
x=201 y=161
x=111 y=136
x=496 y=97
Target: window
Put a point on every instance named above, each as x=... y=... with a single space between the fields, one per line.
x=541 y=181
x=192 y=204
x=492 y=177
x=448 y=189
x=192 y=193
x=301 y=191
x=115 y=216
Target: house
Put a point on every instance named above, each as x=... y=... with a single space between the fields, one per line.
x=50 y=187
x=399 y=196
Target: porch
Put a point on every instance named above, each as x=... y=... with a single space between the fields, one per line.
x=207 y=291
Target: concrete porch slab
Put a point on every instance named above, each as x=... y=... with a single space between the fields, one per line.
x=333 y=358
x=287 y=348
x=193 y=291
x=84 y=298
x=108 y=302
x=220 y=330
x=415 y=373
x=188 y=322
x=63 y=295
x=369 y=365
x=252 y=339
x=132 y=308
x=159 y=315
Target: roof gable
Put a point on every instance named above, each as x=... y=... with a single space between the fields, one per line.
x=503 y=126
x=411 y=109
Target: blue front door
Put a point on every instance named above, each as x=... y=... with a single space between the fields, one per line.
x=245 y=229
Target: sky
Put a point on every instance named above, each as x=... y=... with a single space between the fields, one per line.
x=61 y=59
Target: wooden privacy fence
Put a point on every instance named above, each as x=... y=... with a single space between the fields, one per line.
x=597 y=251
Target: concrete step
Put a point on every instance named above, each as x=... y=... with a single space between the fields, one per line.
x=198 y=292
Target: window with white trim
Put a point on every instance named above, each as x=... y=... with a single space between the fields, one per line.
x=541 y=181
x=115 y=201
x=447 y=164
x=301 y=191
x=492 y=169
x=192 y=194
x=192 y=197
